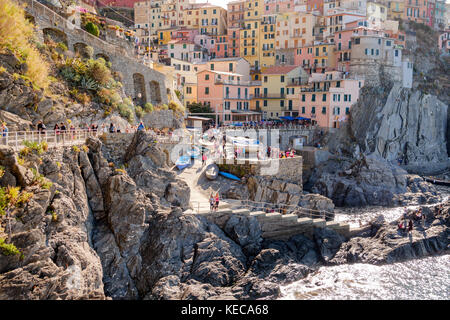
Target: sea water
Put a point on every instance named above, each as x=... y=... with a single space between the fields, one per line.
x=426 y=278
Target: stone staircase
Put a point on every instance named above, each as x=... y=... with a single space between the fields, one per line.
x=274 y=226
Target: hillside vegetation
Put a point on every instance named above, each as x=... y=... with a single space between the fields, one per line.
x=17 y=36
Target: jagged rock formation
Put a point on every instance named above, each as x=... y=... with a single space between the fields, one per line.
x=100 y=232
x=396 y=123
x=369 y=181
x=388 y=245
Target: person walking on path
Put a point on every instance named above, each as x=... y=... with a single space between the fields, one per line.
x=4 y=133
x=56 y=129
x=217 y=201
x=211 y=202
x=203 y=159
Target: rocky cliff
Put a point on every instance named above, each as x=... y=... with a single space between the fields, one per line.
x=111 y=225
x=394 y=122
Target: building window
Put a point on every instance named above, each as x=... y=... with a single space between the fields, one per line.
x=303 y=97
x=324 y=97
x=188 y=90
x=313 y=97
x=265 y=103
x=206 y=90
x=324 y=110
x=265 y=79
x=303 y=110
x=282 y=78
x=313 y=110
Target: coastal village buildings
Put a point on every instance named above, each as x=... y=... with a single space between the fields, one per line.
x=274 y=58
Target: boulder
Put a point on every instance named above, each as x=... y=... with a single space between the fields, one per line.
x=212 y=171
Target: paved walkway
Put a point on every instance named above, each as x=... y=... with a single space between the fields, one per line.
x=199 y=194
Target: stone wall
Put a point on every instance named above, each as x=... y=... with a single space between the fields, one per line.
x=161 y=119
x=120 y=56
x=275 y=226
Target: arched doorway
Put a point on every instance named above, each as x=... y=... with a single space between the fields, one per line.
x=55 y=35
x=155 y=92
x=140 y=96
x=102 y=55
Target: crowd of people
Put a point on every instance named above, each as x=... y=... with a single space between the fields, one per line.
x=406 y=224
x=213 y=201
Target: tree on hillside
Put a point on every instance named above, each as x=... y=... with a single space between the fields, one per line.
x=201 y=108
x=92 y=29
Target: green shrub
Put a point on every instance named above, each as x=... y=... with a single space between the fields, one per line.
x=126 y=112
x=139 y=111
x=30 y=146
x=62 y=46
x=178 y=93
x=8 y=249
x=92 y=29
x=148 y=107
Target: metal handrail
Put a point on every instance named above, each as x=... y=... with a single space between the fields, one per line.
x=255 y=205
x=300 y=211
x=53 y=138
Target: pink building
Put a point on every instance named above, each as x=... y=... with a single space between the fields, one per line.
x=220 y=50
x=444 y=42
x=278 y=6
x=328 y=97
x=315 y=5
x=304 y=57
x=233 y=42
x=184 y=34
x=226 y=93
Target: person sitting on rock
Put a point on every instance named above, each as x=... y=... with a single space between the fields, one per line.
x=418 y=215
x=401 y=226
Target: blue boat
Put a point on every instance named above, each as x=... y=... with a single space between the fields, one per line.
x=229 y=175
x=183 y=162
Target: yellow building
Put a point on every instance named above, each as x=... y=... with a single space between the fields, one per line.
x=273 y=93
x=191 y=18
x=324 y=55
x=147 y=15
x=212 y=19
x=165 y=36
x=267 y=39
x=395 y=9
x=250 y=32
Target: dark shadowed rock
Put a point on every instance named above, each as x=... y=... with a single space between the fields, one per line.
x=246 y=232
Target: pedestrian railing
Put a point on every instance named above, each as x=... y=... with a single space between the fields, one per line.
x=58 y=138
x=198 y=207
x=283 y=209
x=53 y=138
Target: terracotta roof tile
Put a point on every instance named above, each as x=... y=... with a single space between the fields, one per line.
x=279 y=69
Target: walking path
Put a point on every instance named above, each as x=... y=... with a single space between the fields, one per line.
x=199 y=197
